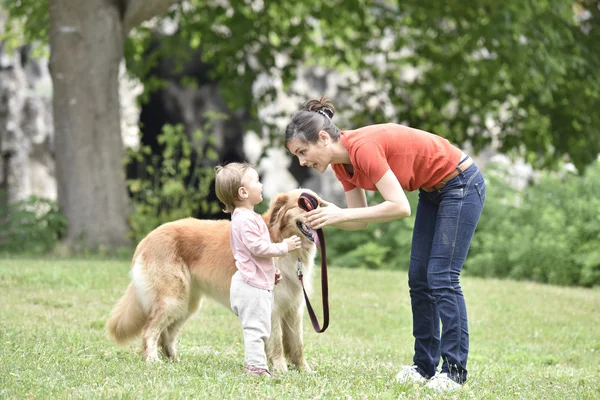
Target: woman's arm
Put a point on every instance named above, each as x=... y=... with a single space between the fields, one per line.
x=355 y=198
x=358 y=215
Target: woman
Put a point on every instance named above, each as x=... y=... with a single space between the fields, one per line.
x=391 y=158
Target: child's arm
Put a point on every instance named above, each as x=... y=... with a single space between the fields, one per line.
x=261 y=246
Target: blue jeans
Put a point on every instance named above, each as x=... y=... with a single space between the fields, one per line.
x=444 y=226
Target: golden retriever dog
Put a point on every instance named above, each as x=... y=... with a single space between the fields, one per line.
x=179 y=263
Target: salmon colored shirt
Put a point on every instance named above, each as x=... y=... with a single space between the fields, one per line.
x=419 y=159
x=252 y=248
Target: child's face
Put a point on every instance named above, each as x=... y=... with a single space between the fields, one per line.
x=251 y=189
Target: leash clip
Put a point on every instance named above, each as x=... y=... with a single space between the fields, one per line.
x=300 y=274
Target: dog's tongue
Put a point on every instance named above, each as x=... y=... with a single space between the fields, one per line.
x=315 y=237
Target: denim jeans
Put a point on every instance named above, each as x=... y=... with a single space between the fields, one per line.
x=444 y=226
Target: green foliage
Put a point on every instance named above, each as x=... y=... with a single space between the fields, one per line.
x=550 y=232
x=368 y=254
x=526 y=74
x=174 y=184
x=532 y=69
x=31 y=226
x=28 y=25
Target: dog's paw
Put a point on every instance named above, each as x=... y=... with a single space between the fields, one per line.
x=171 y=355
x=304 y=367
x=280 y=366
x=152 y=358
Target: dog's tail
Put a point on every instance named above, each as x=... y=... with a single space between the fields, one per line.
x=127 y=318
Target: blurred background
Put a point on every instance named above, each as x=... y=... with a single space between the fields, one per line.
x=113 y=115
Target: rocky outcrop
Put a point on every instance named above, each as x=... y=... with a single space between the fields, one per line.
x=27 y=164
x=26 y=128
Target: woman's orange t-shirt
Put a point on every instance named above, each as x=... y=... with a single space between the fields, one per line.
x=419 y=159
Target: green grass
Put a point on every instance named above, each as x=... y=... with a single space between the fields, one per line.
x=528 y=341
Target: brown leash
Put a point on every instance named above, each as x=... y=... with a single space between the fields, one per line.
x=308 y=202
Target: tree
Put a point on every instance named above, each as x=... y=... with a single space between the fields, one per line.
x=532 y=67
x=87 y=41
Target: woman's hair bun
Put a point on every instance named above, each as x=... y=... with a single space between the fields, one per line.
x=322 y=106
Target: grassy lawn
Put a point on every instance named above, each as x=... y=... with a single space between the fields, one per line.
x=528 y=341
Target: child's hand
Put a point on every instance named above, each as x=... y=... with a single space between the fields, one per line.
x=277 y=275
x=293 y=243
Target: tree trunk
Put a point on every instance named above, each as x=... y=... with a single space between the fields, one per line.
x=86 y=44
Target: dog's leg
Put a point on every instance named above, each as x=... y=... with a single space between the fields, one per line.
x=274 y=346
x=168 y=339
x=159 y=318
x=292 y=339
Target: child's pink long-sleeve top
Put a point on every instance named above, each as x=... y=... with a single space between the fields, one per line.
x=252 y=248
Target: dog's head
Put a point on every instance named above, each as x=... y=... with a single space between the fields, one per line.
x=285 y=218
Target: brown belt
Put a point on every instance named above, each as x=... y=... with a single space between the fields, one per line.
x=460 y=168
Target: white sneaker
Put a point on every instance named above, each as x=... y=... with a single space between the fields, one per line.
x=443 y=382
x=410 y=375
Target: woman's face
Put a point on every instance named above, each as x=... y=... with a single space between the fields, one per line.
x=312 y=155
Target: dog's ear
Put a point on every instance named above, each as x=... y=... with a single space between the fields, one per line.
x=278 y=206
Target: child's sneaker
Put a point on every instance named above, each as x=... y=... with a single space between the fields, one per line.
x=253 y=370
x=443 y=382
x=411 y=374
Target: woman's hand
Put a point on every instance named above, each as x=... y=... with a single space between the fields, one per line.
x=321 y=217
